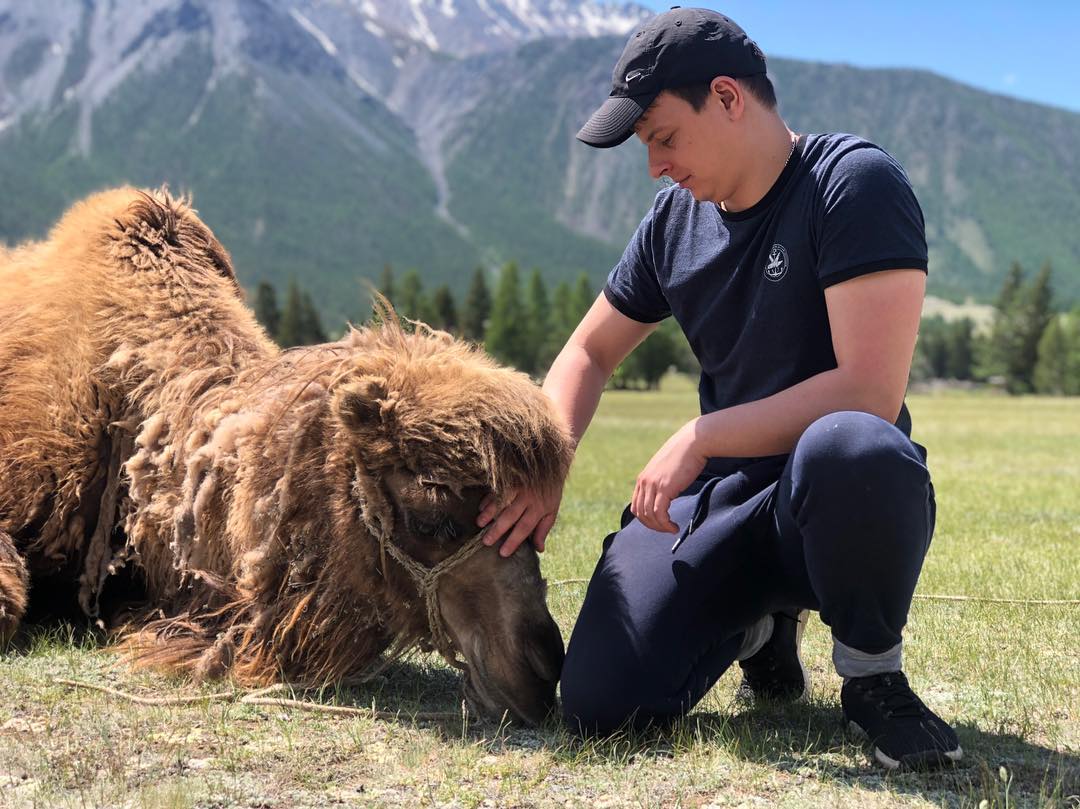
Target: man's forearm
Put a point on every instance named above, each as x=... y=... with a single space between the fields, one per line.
x=874 y=321
x=771 y=426
x=574 y=385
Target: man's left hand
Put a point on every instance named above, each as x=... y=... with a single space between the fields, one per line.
x=673 y=468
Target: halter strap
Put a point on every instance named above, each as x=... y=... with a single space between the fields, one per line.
x=427 y=582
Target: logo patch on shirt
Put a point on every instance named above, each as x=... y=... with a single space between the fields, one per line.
x=777 y=266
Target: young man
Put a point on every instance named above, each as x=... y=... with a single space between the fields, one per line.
x=796 y=266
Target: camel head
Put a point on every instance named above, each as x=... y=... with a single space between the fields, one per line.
x=433 y=426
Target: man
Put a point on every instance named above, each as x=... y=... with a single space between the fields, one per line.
x=796 y=266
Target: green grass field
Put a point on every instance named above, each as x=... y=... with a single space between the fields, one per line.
x=1007 y=474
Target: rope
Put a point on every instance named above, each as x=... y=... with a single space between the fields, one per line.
x=427 y=582
x=260 y=698
x=1036 y=602
x=1027 y=602
x=193 y=700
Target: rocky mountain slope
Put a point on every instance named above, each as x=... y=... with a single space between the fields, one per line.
x=323 y=139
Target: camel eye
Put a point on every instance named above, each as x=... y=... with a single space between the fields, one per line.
x=439 y=527
x=424 y=526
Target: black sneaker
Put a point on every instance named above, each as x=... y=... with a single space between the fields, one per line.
x=775 y=671
x=903 y=731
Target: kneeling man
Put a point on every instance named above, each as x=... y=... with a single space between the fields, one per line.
x=796 y=266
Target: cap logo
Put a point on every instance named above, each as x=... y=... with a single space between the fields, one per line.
x=635 y=75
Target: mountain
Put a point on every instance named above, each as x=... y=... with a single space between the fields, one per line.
x=323 y=139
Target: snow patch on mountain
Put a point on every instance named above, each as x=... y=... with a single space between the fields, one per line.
x=68 y=53
x=320 y=36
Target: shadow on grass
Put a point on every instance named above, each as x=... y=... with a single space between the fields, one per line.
x=810 y=740
x=806 y=739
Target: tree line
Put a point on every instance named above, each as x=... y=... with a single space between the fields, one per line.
x=522 y=325
x=1030 y=347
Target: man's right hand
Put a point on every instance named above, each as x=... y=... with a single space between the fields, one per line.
x=523 y=514
x=574 y=383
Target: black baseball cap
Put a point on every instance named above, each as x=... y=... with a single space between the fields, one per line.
x=677 y=48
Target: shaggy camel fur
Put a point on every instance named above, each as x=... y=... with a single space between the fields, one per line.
x=147 y=420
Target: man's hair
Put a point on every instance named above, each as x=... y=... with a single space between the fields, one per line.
x=759 y=86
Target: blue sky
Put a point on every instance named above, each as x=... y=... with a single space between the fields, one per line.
x=1030 y=49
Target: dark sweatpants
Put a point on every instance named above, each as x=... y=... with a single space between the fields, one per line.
x=840 y=526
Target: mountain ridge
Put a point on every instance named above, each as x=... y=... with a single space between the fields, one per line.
x=321 y=151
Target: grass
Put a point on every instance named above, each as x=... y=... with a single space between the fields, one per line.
x=1007 y=473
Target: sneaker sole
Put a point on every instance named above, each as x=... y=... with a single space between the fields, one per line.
x=928 y=760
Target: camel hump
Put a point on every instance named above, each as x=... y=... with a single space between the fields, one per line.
x=152 y=220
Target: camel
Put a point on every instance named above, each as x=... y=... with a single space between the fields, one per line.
x=290 y=515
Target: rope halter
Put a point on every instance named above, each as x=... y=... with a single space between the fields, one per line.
x=426 y=580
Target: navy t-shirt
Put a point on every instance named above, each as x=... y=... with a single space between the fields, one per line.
x=747 y=288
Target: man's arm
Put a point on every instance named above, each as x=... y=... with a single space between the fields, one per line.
x=577 y=377
x=874 y=321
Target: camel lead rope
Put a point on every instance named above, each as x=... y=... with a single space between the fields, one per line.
x=427 y=582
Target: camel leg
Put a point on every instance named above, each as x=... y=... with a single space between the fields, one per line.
x=14 y=587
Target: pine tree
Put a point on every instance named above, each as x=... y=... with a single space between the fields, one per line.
x=1052 y=368
x=1001 y=348
x=1022 y=315
x=931 y=349
x=582 y=298
x=960 y=349
x=1058 y=369
x=562 y=310
x=538 y=320
x=386 y=283
x=444 y=309
x=266 y=308
x=411 y=296
x=477 y=310
x=1038 y=311
x=311 y=328
x=300 y=323
x=1072 y=359
x=290 y=330
x=387 y=289
x=507 y=337
x=648 y=363
x=686 y=362
x=1071 y=326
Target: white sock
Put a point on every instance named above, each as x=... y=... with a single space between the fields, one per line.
x=756 y=636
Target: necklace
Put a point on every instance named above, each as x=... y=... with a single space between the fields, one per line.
x=791 y=151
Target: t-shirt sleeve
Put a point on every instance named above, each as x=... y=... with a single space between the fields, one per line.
x=632 y=286
x=870 y=220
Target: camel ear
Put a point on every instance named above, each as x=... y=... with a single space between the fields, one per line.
x=365 y=403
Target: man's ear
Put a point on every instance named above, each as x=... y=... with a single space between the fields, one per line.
x=728 y=92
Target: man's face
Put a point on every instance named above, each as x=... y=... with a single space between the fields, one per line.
x=695 y=149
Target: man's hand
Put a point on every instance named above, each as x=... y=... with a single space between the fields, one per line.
x=526 y=512
x=674 y=467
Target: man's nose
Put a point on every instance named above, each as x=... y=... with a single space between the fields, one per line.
x=658 y=167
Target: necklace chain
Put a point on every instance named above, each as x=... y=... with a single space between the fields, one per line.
x=791 y=151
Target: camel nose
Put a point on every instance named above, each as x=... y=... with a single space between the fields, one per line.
x=545 y=651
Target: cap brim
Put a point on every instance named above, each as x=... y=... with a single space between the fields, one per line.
x=613 y=123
